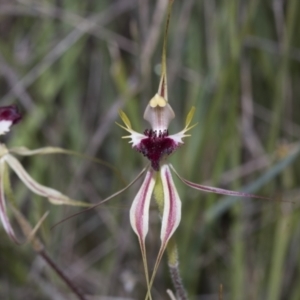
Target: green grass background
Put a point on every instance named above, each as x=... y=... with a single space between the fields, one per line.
x=71 y=65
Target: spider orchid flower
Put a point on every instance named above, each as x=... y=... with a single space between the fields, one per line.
x=157 y=145
x=9 y=115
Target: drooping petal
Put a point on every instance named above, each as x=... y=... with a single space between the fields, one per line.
x=9 y=115
x=172 y=205
x=53 y=195
x=3 y=213
x=215 y=190
x=171 y=214
x=139 y=216
x=139 y=211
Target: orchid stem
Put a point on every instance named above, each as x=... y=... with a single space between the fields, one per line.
x=159 y=257
x=177 y=282
x=144 y=256
x=163 y=88
x=173 y=263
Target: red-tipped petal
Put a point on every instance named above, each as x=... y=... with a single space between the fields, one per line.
x=172 y=205
x=139 y=211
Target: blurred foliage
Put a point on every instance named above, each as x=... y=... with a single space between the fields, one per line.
x=70 y=65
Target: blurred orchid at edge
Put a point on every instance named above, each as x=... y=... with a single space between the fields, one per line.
x=9 y=115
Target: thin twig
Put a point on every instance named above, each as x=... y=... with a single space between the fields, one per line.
x=221 y=292
x=61 y=274
x=39 y=248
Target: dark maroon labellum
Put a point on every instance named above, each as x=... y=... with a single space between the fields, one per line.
x=10 y=113
x=156 y=146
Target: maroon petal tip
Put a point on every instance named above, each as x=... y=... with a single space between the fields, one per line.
x=10 y=113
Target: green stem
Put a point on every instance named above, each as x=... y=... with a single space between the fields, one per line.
x=173 y=263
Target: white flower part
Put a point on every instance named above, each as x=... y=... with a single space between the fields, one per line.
x=135 y=137
x=53 y=195
x=172 y=205
x=159 y=113
x=5 y=126
x=177 y=137
x=139 y=211
x=3 y=151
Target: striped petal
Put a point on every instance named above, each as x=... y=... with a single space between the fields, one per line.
x=172 y=205
x=171 y=216
x=3 y=213
x=139 y=216
x=139 y=211
x=54 y=196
